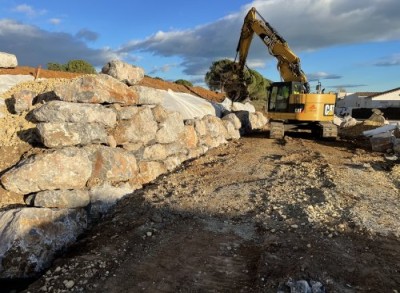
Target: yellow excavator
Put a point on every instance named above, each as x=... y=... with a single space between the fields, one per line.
x=290 y=103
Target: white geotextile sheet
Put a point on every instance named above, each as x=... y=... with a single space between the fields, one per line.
x=188 y=105
x=7 y=81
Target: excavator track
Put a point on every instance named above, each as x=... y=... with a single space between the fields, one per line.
x=277 y=130
x=328 y=130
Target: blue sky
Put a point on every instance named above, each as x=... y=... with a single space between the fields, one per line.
x=354 y=45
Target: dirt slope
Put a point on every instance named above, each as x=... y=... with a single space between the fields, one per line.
x=147 y=81
x=248 y=217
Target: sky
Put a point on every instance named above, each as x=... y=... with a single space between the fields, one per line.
x=352 y=45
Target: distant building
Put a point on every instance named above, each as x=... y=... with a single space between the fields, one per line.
x=367 y=100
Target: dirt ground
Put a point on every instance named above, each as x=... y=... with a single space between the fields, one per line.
x=248 y=217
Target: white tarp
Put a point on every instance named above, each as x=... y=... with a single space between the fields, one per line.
x=188 y=105
x=7 y=81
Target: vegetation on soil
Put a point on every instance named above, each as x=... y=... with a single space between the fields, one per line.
x=78 y=66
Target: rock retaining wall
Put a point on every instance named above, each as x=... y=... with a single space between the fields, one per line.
x=103 y=140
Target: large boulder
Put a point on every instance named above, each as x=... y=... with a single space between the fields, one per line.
x=67 y=168
x=140 y=128
x=150 y=96
x=170 y=128
x=30 y=238
x=59 y=111
x=97 y=89
x=62 y=199
x=8 y=60
x=111 y=165
x=57 y=135
x=124 y=72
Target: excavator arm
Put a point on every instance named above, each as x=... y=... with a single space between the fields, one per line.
x=288 y=63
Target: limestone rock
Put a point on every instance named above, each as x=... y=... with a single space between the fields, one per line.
x=232 y=132
x=127 y=113
x=170 y=129
x=160 y=113
x=56 y=135
x=214 y=126
x=236 y=106
x=64 y=199
x=251 y=121
x=68 y=168
x=8 y=60
x=30 y=237
x=189 y=137
x=141 y=128
x=149 y=96
x=103 y=197
x=148 y=171
x=155 y=152
x=124 y=72
x=112 y=165
x=22 y=101
x=234 y=119
x=97 y=89
x=59 y=111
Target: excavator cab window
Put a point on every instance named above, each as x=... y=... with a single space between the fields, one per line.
x=279 y=97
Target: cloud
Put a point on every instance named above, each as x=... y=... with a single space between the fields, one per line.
x=34 y=46
x=164 y=68
x=393 y=60
x=322 y=75
x=55 y=21
x=28 y=10
x=87 y=35
x=306 y=25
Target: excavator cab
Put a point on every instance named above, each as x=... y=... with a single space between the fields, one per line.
x=279 y=93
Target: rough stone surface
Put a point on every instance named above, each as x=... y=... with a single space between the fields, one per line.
x=189 y=137
x=113 y=165
x=141 y=128
x=232 y=131
x=8 y=60
x=105 y=196
x=56 y=135
x=97 y=89
x=149 y=96
x=214 y=126
x=59 y=111
x=64 y=199
x=160 y=113
x=170 y=129
x=234 y=119
x=30 y=237
x=236 y=106
x=124 y=72
x=155 y=152
x=68 y=168
x=148 y=171
x=22 y=101
x=127 y=113
x=251 y=121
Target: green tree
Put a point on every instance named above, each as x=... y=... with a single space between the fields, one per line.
x=80 y=66
x=56 y=67
x=183 y=82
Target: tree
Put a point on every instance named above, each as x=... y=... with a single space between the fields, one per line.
x=78 y=66
x=56 y=67
x=224 y=76
x=183 y=82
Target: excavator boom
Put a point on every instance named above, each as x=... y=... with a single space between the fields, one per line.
x=288 y=63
